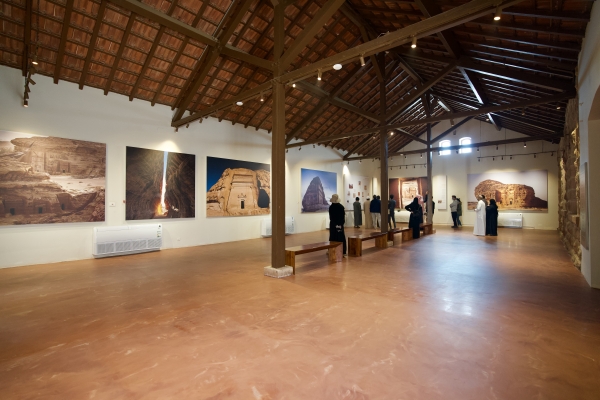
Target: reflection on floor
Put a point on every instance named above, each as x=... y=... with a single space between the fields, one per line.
x=448 y=316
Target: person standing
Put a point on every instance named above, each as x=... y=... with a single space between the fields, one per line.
x=337 y=219
x=391 y=212
x=479 y=228
x=416 y=216
x=376 y=212
x=368 y=218
x=491 y=219
x=459 y=211
x=454 y=211
x=357 y=213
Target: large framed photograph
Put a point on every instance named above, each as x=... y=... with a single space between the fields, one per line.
x=316 y=188
x=515 y=191
x=159 y=184
x=48 y=180
x=237 y=188
x=406 y=189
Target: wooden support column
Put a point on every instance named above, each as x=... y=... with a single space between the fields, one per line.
x=278 y=155
x=426 y=104
x=383 y=150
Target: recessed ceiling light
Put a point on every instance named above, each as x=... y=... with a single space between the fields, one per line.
x=337 y=67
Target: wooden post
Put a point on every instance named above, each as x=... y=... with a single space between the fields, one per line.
x=383 y=149
x=429 y=164
x=278 y=151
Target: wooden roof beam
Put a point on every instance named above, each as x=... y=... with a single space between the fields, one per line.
x=92 y=45
x=451 y=129
x=445 y=117
x=479 y=93
x=63 y=39
x=559 y=14
x=122 y=45
x=309 y=31
x=27 y=38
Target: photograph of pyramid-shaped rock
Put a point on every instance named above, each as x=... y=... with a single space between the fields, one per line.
x=237 y=188
x=524 y=191
x=317 y=187
x=47 y=180
x=159 y=184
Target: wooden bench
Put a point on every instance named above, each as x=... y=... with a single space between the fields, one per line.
x=334 y=248
x=355 y=242
x=427 y=229
x=406 y=234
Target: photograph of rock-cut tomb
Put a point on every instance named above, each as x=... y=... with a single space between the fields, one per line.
x=159 y=184
x=515 y=191
x=46 y=180
x=317 y=187
x=237 y=188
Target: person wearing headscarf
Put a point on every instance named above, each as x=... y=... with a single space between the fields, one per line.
x=416 y=216
x=479 y=228
x=368 y=218
x=491 y=219
x=337 y=219
x=357 y=213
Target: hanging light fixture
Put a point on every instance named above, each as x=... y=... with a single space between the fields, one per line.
x=262 y=98
x=319 y=77
x=414 y=42
x=497 y=14
x=293 y=85
x=362 y=61
x=524 y=144
x=34 y=60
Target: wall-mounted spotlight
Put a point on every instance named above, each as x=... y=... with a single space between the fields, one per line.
x=414 y=42
x=362 y=61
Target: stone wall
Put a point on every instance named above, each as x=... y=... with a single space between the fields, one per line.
x=568 y=187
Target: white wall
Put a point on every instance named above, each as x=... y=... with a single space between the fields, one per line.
x=589 y=146
x=65 y=111
x=457 y=166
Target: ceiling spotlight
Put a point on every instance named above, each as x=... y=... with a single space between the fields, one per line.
x=454 y=133
x=240 y=103
x=177 y=129
x=524 y=144
x=523 y=112
x=534 y=155
x=479 y=160
x=414 y=166
x=286 y=150
x=511 y=157
x=558 y=107
x=552 y=154
x=25 y=103
x=456 y=151
x=496 y=147
x=414 y=42
x=497 y=14
x=451 y=122
x=262 y=99
x=502 y=158
x=359 y=161
x=294 y=85
x=313 y=146
x=478 y=149
x=421 y=155
x=487 y=119
x=392 y=133
x=34 y=60
x=493 y=158
x=405 y=156
x=319 y=75
x=362 y=61
x=299 y=148
x=337 y=67
x=348 y=162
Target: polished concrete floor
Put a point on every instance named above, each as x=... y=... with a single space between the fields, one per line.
x=448 y=316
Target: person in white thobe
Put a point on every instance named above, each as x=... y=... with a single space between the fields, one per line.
x=479 y=228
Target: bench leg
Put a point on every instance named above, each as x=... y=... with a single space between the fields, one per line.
x=290 y=259
x=335 y=254
x=407 y=235
x=354 y=247
x=381 y=242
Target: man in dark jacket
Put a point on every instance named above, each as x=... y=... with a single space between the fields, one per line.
x=376 y=212
x=337 y=219
x=391 y=212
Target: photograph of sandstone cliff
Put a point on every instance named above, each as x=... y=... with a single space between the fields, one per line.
x=159 y=184
x=514 y=191
x=317 y=187
x=47 y=180
x=237 y=188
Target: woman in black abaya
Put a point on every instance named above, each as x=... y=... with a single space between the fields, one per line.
x=416 y=216
x=491 y=219
x=337 y=218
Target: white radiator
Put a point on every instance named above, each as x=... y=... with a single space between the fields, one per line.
x=266 y=231
x=510 y=220
x=128 y=239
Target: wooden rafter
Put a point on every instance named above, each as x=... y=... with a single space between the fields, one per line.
x=92 y=44
x=119 y=54
x=63 y=39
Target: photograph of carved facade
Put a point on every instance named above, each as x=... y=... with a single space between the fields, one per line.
x=47 y=180
x=406 y=189
x=159 y=184
x=237 y=188
x=526 y=191
x=316 y=188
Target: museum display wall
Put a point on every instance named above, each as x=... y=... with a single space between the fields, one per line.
x=456 y=168
x=589 y=145
x=65 y=111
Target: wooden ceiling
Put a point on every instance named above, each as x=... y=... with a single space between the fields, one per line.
x=193 y=55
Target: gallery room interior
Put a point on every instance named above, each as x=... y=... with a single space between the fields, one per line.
x=170 y=172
